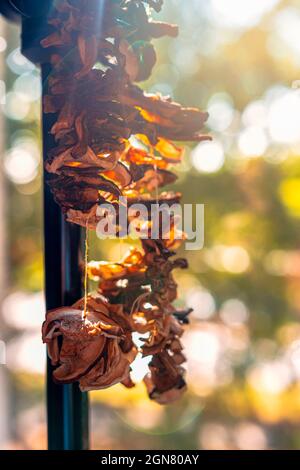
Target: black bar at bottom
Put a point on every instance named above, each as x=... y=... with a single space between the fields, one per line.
x=138 y=458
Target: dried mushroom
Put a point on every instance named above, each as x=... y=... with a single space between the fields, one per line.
x=89 y=344
x=112 y=140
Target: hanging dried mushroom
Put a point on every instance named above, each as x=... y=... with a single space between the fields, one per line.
x=113 y=139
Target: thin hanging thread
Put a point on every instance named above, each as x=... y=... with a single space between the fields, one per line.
x=86 y=255
x=156 y=184
x=121 y=248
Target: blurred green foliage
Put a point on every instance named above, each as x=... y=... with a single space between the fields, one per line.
x=244 y=380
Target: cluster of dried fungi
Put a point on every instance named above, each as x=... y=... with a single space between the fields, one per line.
x=113 y=139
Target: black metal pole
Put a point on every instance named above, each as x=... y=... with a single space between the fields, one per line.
x=67 y=407
x=72 y=247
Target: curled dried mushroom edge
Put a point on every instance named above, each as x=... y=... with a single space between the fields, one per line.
x=113 y=139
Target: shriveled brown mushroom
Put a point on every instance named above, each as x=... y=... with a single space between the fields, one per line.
x=91 y=348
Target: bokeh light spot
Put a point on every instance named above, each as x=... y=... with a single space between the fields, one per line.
x=208 y=157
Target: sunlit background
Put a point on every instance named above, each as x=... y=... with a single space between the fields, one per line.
x=241 y=61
